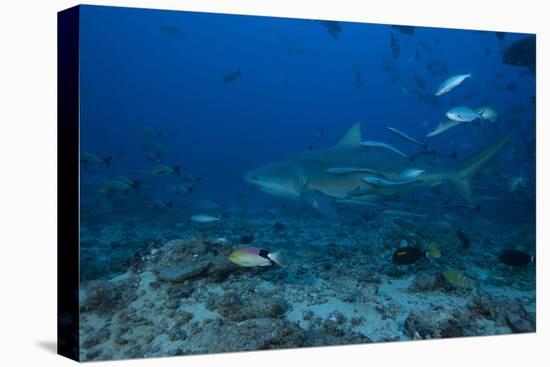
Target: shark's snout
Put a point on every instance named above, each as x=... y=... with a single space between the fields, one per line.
x=277 y=178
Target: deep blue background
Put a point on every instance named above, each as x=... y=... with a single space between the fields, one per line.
x=135 y=75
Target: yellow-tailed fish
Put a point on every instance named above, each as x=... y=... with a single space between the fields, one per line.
x=457 y=279
x=433 y=251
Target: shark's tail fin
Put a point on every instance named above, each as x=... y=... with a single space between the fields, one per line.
x=465 y=171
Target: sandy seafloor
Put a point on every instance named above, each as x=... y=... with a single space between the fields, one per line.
x=155 y=283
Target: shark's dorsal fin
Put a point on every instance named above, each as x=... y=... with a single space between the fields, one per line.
x=352 y=136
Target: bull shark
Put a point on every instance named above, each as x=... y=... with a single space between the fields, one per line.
x=304 y=176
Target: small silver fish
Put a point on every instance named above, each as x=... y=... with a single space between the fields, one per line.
x=450 y=83
x=204 y=218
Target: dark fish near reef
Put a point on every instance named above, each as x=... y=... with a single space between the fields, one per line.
x=464 y=239
x=251 y=257
x=522 y=53
x=409 y=255
x=405 y=29
x=332 y=27
x=229 y=77
x=512 y=257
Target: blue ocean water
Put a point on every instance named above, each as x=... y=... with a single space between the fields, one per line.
x=220 y=95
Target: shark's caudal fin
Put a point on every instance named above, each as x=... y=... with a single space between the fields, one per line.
x=352 y=136
x=465 y=171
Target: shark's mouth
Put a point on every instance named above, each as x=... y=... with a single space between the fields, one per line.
x=251 y=178
x=283 y=180
x=281 y=191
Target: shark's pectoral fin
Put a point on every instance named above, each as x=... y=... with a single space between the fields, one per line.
x=464 y=188
x=322 y=203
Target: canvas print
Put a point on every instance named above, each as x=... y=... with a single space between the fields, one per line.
x=251 y=183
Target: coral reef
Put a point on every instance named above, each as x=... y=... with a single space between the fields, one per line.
x=337 y=286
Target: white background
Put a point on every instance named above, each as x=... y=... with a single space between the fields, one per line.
x=28 y=182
